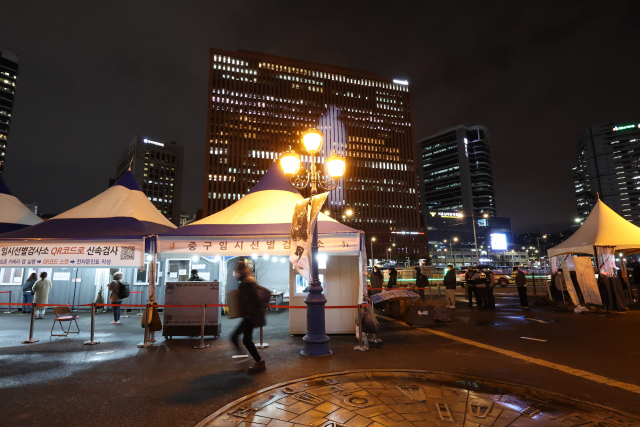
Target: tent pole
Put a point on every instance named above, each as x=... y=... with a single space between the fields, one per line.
x=152 y=269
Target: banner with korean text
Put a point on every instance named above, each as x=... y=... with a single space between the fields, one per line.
x=119 y=253
x=330 y=244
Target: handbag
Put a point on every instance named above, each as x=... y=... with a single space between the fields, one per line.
x=155 y=324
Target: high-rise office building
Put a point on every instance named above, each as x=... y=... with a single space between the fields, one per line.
x=158 y=169
x=260 y=105
x=608 y=161
x=455 y=175
x=8 y=78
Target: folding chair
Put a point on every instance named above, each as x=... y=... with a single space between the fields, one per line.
x=64 y=314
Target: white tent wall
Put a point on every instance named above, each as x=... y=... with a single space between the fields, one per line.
x=273 y=275
x=341 y=285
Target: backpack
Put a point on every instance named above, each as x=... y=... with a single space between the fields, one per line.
x=264 y=295
x=123 y=290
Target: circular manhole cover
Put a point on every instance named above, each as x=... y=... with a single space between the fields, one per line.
x=411 y=398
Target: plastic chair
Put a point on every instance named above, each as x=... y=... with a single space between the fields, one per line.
x=64 y=314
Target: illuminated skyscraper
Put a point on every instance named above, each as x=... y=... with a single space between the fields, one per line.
x=608 y=162
x=8 y=77
x=158 y=169
x=260 y=105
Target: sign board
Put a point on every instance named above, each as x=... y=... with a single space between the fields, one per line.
x=78 y=280
x=62 y=275
x=128 y=253
x=498 y=241
x=182 y=272
x=333 y=244
x=198 y=266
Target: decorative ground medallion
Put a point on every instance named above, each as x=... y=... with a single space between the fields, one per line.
x=409 y=399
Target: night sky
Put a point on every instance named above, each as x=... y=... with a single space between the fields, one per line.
x=536 y=74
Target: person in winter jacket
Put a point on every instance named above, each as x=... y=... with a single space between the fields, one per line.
x=376 y=281
x=27 y=292
x=421 y=283
x=253 y=315
x=41 y=293
x=491 y=283
x=450 y=285
x=521 y=283
x=480 y=280
x=114 y=299
x=471 y=286
x=393 y=278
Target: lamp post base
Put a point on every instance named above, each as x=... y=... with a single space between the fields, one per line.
x=314 y=352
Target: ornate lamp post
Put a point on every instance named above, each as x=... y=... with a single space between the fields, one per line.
x=316 y=341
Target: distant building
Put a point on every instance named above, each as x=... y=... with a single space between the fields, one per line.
x=158 y=169
x=608 y=161
x=260 y=105
x=8 y=78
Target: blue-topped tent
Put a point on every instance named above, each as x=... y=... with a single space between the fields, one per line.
x=122 y=211
x=13 y=214
x=258 y=226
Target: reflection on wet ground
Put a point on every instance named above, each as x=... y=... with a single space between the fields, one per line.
x=388 y=398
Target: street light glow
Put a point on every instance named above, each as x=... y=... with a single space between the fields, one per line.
x=335 y=166
x=290 y=162
x=312 y=140
x=349 y=212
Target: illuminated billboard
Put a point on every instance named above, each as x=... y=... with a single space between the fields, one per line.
x=498 y=241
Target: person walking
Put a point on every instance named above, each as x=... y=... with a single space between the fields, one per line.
x=393 y=278
x=471 y=287
x=521 y=283
x=253 y=315
x=41 y=293
x=114 y=297
x=450 y=286
x=27 y=292
x=491 y=283
x=421 y=283
x=194 y=277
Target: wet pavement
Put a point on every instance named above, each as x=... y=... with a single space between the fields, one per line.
x=389 y=398
x=60 y=381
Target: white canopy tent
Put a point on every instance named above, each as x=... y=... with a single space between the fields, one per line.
x=259 y=225
x=603 y=227
x=13 y=214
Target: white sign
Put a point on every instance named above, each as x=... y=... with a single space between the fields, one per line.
x=78 y=280
x=198 y=266
x=182 y=272
x=205 y=276
x=62 y=275
x=173 y=275
x=148 y=141
x=331 y=244
x=120 y=253
x=498 y=241
x=401 y=82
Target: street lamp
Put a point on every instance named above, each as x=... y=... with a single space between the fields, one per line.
x=316 y=341
x=388 y=255
x=373 y=239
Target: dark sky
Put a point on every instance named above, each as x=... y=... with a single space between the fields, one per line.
x=536 y=74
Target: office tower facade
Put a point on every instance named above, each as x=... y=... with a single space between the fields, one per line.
x=158 y=168
x=608 y=161
x=260 y=105
x=8 y=78
x=455 y=175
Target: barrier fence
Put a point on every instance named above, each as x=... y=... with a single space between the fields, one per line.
x=148 y=335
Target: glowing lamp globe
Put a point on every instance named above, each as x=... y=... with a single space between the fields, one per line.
x=312 y=140
x=290 y=162
x=335 y=166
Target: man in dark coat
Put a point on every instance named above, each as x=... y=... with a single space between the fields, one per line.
x=471 y=286
x=421 y=282
x=521 y=283
x=450 y=285
x=194 y=277
x=253 y=315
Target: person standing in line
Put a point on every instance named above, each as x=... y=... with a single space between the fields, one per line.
x=253 y=315
x=480 y=280
x=27 y=292
x=421 y=282
x=114 y=298
x=521 y=283
x=491 y=283
x=393 y=278
x=471 y=287
x=450 y=286
x=41 y=293
x=376 y=281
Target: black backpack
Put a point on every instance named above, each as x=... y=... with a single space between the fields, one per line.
x=123 y=290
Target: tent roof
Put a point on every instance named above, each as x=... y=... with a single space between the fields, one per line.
x=266 y=209
x=603 y=227
x=13 y=214
x=122 y=211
